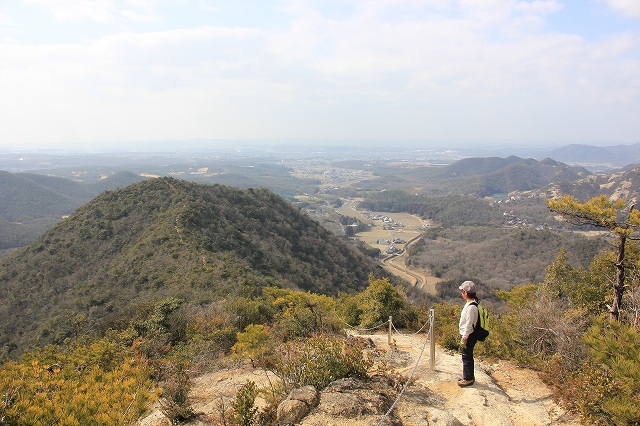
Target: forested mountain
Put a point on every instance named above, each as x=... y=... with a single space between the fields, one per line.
x=31 y=203
x=166 y=238
x=488 y=176
x=447 y=210
x=29 y=195
x=26 y=195
x=477 y=177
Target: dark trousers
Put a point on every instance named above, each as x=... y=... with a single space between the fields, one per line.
x=467 y=359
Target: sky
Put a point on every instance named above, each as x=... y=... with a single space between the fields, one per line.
x=91 y=73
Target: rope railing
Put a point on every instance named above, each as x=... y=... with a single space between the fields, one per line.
x=368 y=329
x=412 y=334
x=415 y=367
x=428 y=338
x=358 y=328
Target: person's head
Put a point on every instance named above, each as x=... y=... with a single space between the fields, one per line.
x=468 y=290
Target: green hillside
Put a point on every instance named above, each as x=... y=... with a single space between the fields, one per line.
x=166 y=238
x=30 y=204
x=476 y=177
x=26 y=196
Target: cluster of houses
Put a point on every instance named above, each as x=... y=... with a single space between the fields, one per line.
x=513 y=220
x=387 y=222
x=391 y=249
x=394 y=241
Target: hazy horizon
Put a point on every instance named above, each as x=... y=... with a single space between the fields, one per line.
x=300 y=147
x=124 y=74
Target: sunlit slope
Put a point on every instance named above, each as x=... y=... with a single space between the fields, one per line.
x=166 y=238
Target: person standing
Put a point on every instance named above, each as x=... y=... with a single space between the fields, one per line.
x=468 y=321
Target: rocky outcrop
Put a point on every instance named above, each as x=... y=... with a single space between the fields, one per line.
x=352 y=398
x=297 y=405
x=348 y=399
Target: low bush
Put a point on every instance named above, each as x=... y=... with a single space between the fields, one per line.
x=175 y=403
x=320 y=360
x=83 y=385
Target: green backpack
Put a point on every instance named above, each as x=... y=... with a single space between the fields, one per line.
x=481 y=330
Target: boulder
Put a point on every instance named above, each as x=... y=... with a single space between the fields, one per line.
x=291 y=411
x=307 y=394
x=352 y=398
x=297 y=405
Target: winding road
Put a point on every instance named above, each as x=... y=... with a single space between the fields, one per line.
x=417 y=279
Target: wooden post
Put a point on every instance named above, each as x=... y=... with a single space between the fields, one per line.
x=432 y=337
x=389 y=335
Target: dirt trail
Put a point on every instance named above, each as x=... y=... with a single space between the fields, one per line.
x=503 y=394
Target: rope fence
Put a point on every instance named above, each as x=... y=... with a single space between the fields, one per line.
x=412 y=334
x=415 y=367
x=375 y=327
x=392 y=328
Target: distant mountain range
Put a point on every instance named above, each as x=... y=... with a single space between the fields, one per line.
x=31 y=203
x=487 y=176
x=615 y=156
x=164 y=238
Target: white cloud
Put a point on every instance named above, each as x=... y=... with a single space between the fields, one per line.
x=380 y=69
x=102 y=11
x=543 y=7
x=134 y=16
x=628 y=8
x=77 y=10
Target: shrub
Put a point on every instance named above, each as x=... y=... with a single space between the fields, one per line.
x=582 y=390
x=253 y=343
x=243 y=409
x=300 y=314
x=320 y=360
x=175 y=404
x=447 y=317
x=83 y=385
x=615 y=348
x=380 y=300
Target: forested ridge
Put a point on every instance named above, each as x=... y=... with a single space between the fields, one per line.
x=497 y=259
x=477 y=177
x=166 y=238
x=449 y=210
x=31 y=204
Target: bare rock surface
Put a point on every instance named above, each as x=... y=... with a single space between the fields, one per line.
x=503 y=394
x=297 y=405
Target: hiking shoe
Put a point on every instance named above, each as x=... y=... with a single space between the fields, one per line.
x=462 y=383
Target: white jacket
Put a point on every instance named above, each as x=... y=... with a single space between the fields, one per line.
x=468 y=319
